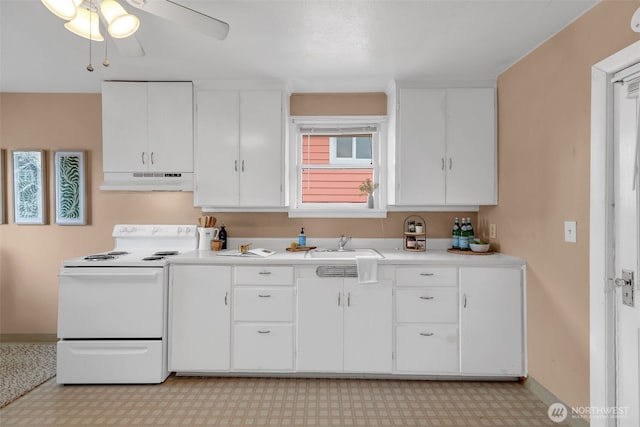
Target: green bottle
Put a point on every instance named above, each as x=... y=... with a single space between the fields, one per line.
x=455 y=235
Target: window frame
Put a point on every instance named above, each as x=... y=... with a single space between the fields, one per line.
x=320 y=126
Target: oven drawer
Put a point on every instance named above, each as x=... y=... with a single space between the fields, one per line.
x=110 y=362
x=111 y=302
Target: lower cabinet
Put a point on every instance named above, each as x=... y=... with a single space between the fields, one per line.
x=344 y=326
x=263 y=347
x=199 y=318
x=492 y=322
x=427 y=349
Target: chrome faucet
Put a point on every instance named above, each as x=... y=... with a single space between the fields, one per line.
x=343 y=241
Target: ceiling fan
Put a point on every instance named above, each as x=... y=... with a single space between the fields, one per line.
x=83 y=18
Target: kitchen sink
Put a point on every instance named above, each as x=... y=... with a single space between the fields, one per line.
x=343 y=254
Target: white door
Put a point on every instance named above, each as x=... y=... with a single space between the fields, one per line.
x=421 y=147
x=368 y=326
x=170 y=110
x=199 y=318
x=319 y=326
x=216 y=146
x=626 y=219
x=491 y=321
x=471 y=146
x=261 y=148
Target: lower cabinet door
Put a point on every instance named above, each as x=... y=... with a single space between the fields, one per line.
x=263 y=346
x=427 y=349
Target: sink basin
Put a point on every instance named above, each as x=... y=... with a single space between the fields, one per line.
x=345 y=254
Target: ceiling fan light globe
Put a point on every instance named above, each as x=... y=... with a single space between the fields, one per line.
x=65 y=9
x=124 y=26
x=85 y=24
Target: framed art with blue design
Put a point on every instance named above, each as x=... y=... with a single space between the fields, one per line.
x=70 y=200
x=29 y=193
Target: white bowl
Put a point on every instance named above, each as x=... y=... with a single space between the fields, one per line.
x=475 y=247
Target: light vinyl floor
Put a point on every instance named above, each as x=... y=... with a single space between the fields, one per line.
x=205 y=401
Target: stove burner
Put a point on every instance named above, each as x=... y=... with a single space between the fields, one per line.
x=166 y=253
x=153 y=258
x=117 y=253
x=99 y=257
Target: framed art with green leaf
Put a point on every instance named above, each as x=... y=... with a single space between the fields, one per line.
x=70 y=188
x=2 y=191
x=29 y=187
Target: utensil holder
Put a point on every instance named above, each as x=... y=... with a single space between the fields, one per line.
x=205 y=236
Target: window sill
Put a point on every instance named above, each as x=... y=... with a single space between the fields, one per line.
x=337 y=213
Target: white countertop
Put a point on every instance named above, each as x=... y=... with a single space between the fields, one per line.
x=434 y=255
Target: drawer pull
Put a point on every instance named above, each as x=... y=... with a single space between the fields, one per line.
x=264 y=332
x=426 y=334
x=265 y=272
x=427 y=297
x=349 y=299
x=264 y=296
x=427 y=274
x=226 y=298
x=339 y=299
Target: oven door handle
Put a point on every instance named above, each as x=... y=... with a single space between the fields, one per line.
x=109 y=274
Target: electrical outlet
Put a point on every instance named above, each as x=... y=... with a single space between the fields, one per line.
x=570 y=229
x=492 y=231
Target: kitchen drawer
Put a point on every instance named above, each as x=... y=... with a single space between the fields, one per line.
x=265 y=275
x=263 y=346
x=432 y=276
x=427 y=349
x=263 y=304
x=427 y=305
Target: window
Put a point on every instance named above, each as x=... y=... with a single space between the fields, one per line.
x=331 y=162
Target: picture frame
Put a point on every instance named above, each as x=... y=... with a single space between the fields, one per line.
x=3 y=214
x=29 y=187
x=70 y=196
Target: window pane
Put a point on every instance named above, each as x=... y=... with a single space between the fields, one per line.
x=363 y=147
x=334 y=185
x=344 y=147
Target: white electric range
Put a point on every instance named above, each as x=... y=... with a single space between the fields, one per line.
x=112 y=307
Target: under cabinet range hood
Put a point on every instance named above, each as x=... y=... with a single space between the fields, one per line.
x=148 y=181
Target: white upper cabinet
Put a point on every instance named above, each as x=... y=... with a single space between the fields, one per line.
x=239 y=149
x=446 y=147
x=147 y=128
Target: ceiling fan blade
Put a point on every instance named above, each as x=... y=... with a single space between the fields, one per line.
x=175 y=12
x=129 y=46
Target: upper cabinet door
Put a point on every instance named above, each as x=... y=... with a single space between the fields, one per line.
x=421 y=152
x=217 y=152
x=124 y=127
x=170 y=112
x=261 y=148
x=471 y=147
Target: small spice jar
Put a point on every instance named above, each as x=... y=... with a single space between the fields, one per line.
x=419 y=228
x=412 y=227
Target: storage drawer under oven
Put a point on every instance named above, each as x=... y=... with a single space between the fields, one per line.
x=111 y=302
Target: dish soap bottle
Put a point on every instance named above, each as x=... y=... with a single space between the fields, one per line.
x=222 y=235
x=302 y=238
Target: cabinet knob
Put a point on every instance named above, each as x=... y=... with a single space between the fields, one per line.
x=427 y=274
x=426 y=334
x=427 y=297
x=265 y=272
x=264 y=296
x=264 y=332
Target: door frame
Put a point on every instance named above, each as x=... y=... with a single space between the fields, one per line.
x=602 y=299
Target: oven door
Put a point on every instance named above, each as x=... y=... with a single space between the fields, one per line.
x=111 y=302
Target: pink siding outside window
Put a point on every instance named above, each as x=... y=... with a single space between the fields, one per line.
x=329 y=185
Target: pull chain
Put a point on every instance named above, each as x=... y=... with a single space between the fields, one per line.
x=105 y=61
x=90 y=67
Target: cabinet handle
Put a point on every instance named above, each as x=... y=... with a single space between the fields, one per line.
x=143 y=162
x=264 y=332
x=339 y=295
x=427 y=274
x=349 y=299
x=427 y=297
x=226 y=298
x=464 y=300
x=243 y=166
x=264 y=296
x=152 y=160
x=235 y=166
x=426 y=334
x=265 y=272
x=442 y=158
x=450 y=163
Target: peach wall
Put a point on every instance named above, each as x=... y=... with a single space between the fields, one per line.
x=30 y=255
x=543 y=156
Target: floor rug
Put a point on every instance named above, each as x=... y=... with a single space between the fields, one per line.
x=23 y=367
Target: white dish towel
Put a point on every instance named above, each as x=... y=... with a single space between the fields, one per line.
x=367 y=269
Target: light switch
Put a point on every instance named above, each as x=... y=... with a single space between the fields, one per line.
x=570 y=228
